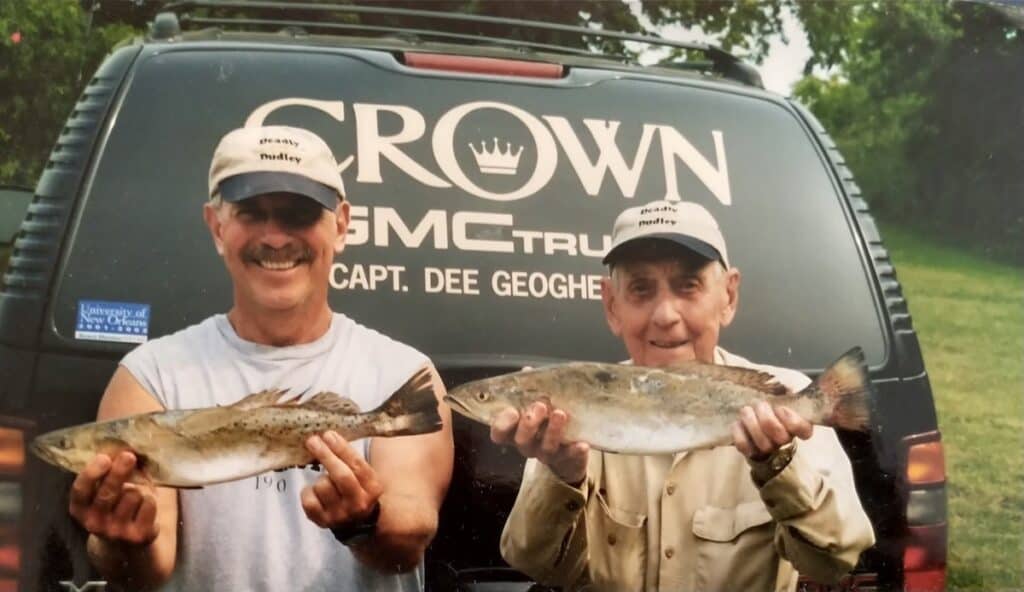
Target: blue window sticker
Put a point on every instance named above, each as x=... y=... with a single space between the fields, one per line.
x=123 y=322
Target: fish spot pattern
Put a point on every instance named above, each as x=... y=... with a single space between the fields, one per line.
x=647 y=384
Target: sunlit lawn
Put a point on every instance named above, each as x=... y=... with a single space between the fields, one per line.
x=969 y=315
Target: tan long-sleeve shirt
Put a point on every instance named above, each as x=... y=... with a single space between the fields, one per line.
x=692 y=521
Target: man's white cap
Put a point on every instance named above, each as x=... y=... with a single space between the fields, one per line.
x=253 y=161
x=685 y=223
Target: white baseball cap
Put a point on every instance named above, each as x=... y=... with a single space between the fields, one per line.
x=685 y=223
x=253 y=161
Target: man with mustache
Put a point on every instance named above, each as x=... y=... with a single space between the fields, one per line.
x=743 y=517
x=278 y=215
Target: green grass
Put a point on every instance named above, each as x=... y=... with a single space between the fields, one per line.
x=969 y=315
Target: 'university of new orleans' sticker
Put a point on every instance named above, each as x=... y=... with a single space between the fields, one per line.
x=123 y=322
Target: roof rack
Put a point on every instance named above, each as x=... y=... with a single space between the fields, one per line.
x=719 y=62
x=302 y=26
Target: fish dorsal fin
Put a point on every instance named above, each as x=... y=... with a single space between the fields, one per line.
x=333 y=402
x=261 y=399
x=748 y=377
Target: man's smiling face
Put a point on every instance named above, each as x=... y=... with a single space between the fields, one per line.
x=670 y=310
x=278 y=249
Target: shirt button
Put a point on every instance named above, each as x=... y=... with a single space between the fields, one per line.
x=669 y=553
x=611 y=539
x=572 y=506
x=671 y=488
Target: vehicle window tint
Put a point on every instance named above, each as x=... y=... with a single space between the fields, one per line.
x=481 y=207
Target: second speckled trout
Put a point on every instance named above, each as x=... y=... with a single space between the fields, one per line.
x=197 y=447
x=637 y=410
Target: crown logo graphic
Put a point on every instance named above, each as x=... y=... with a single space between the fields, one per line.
x=496 y=161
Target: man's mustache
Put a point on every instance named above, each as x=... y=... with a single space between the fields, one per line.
x=299 y=253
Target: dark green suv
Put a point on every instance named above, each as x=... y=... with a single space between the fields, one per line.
x=484 y=174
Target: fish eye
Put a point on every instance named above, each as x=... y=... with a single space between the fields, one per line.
x=65 y=442
x=481 y=396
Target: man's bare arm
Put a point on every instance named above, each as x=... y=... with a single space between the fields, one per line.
x=414 y=473
x=133 y=528
x=406 y=476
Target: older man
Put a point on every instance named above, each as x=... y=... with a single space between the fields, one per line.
x=742 y=517
x=278 y=216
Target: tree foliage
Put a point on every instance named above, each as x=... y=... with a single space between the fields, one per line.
x=47 y=54
x=922 y=97
x=926 y=107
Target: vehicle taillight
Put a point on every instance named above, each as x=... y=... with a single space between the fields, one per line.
x=926 y=464
x=12 y=469
x=924 y=555
x=481 y=65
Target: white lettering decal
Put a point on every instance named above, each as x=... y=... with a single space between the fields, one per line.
x=451 y=281
x=559 y=241
x=444 y=150
x=587 y=251
x=367 y=277
x=462 y=241
x=358 y=227
x=372 y=146
x=560 y=286
x=609 y=157
x=673 y=145
x=494 y=155
x=528 y=237
x=433 y=280
x=434 y=220
x=481 y=232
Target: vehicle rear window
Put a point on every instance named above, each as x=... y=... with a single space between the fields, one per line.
x=481 y=206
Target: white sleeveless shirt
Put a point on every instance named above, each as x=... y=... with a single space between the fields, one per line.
x=252 y=534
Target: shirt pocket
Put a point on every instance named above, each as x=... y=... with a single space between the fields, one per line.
x=616 y=545
x=734 y=548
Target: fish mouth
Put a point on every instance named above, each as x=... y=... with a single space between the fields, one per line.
x=39 y=449
x=46 y=452
x=459 y=406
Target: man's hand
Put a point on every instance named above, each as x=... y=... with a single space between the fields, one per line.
x=762 y=429
x=547 y=444
x=347 y=492
x=108 y=506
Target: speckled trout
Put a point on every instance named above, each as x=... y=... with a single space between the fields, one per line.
x=637 y=410
x=261 y=432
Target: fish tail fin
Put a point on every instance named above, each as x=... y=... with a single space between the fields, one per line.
x=846 y=390
x=413 y=407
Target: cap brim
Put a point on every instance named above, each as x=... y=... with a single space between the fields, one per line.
x=694 y=244
x=243 y=186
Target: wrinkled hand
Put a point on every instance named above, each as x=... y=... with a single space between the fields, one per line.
x=349 y=489
x=108 y=506
x=762 y=429
x=547 y=444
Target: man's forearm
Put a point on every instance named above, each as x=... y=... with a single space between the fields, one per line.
x=545 y=534
x=129 y=566
x=406 y=526
x=821 y=527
